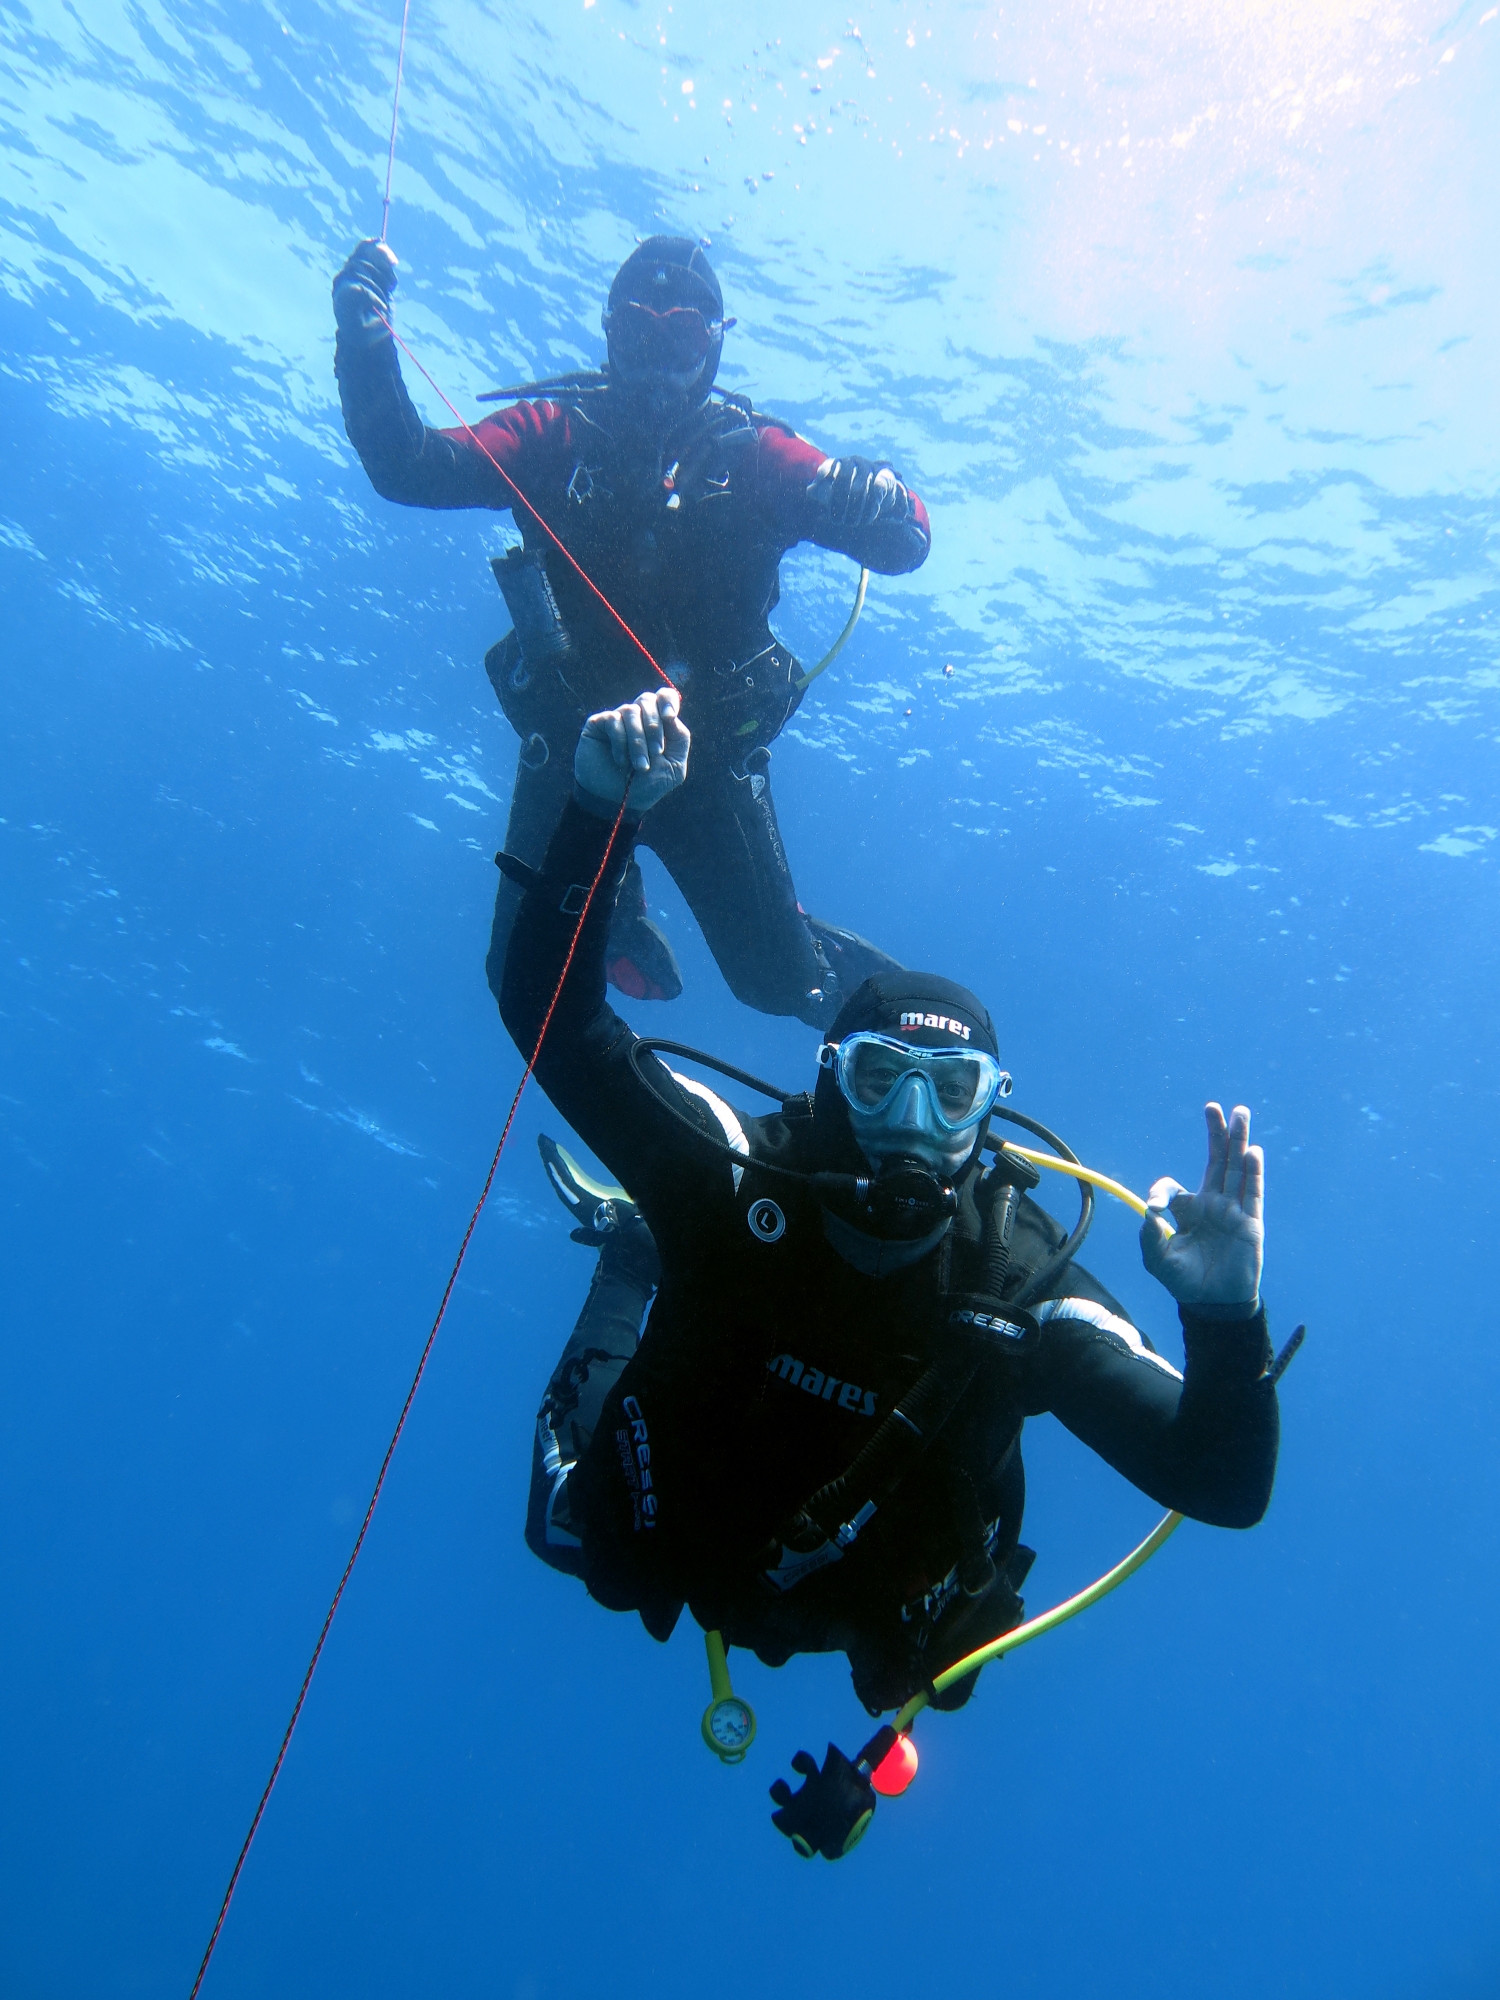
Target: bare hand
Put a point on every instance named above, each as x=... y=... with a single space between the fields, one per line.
x=644 y=743
x=1212 y=1253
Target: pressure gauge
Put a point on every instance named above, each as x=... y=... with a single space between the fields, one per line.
x=729 y=1728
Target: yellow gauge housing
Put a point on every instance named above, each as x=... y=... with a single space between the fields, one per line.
x=729 y=1728
x=728 y=1722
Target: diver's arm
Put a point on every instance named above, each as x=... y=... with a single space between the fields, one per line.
x=543 y=934
x=639 y=1491
x=1204 y=1442
x=416 y=466
x=406 y=460
x=857 y=506
x=584 y=1063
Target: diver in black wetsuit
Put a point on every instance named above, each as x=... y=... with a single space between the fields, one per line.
x=816 y=1443
x=679 y=503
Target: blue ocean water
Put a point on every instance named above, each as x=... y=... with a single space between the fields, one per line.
x=1181 y=317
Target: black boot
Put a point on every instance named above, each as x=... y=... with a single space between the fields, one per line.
x=849 y=957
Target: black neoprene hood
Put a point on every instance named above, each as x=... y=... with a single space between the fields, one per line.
x=666 y=272
x=919 y=1007
x=669 y=271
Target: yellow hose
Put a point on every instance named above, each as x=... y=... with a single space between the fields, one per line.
x=1035 y=1627
x=718 y=1665
x=1098 y=1180
x=842 y=640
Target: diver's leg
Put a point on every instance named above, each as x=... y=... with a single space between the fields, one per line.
x=851 y=958
x=720 y=842
x=640 y=962
x=603 y=1339
x=544 y=778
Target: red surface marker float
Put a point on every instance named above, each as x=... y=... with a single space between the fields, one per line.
x=896 y=1769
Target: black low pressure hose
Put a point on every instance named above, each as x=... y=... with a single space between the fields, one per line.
x=976 y=1566
x=1044 y=1275
x=645 y=1045
x=576 y=378
x=916 y=1419
x=1039 y=1280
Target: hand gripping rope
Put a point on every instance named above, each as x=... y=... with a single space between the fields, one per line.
x=510 y=1117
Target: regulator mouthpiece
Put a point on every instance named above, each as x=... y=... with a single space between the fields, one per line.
x=902 y=1203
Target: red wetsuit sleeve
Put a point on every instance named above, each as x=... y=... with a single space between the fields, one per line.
x=787 y=464
x=524 y=441
x=419 y=467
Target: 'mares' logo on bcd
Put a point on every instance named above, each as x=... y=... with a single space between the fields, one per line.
x=813 y=1382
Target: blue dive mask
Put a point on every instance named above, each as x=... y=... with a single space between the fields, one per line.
x=955 y=1088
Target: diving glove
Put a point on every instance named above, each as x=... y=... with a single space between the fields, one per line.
x=831 y=1813
x=856 y=493
x=362 y=293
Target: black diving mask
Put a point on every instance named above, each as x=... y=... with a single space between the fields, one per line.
x=643 y=340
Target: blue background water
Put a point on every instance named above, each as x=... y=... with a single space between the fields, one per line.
x=1182 y=318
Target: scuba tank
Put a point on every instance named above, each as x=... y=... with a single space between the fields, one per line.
x=541 y=634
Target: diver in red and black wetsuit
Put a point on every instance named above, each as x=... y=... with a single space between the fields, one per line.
x=679 y=502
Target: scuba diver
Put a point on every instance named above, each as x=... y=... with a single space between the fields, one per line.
x=679 y=503
x=815 y=1445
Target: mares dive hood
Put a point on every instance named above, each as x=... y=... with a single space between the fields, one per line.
x=668 y=274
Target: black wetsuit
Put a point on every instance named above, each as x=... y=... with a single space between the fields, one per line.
x=684 y=533
x=766 y=1365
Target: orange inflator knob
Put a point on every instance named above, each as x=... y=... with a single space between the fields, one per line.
x=896 y=1769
